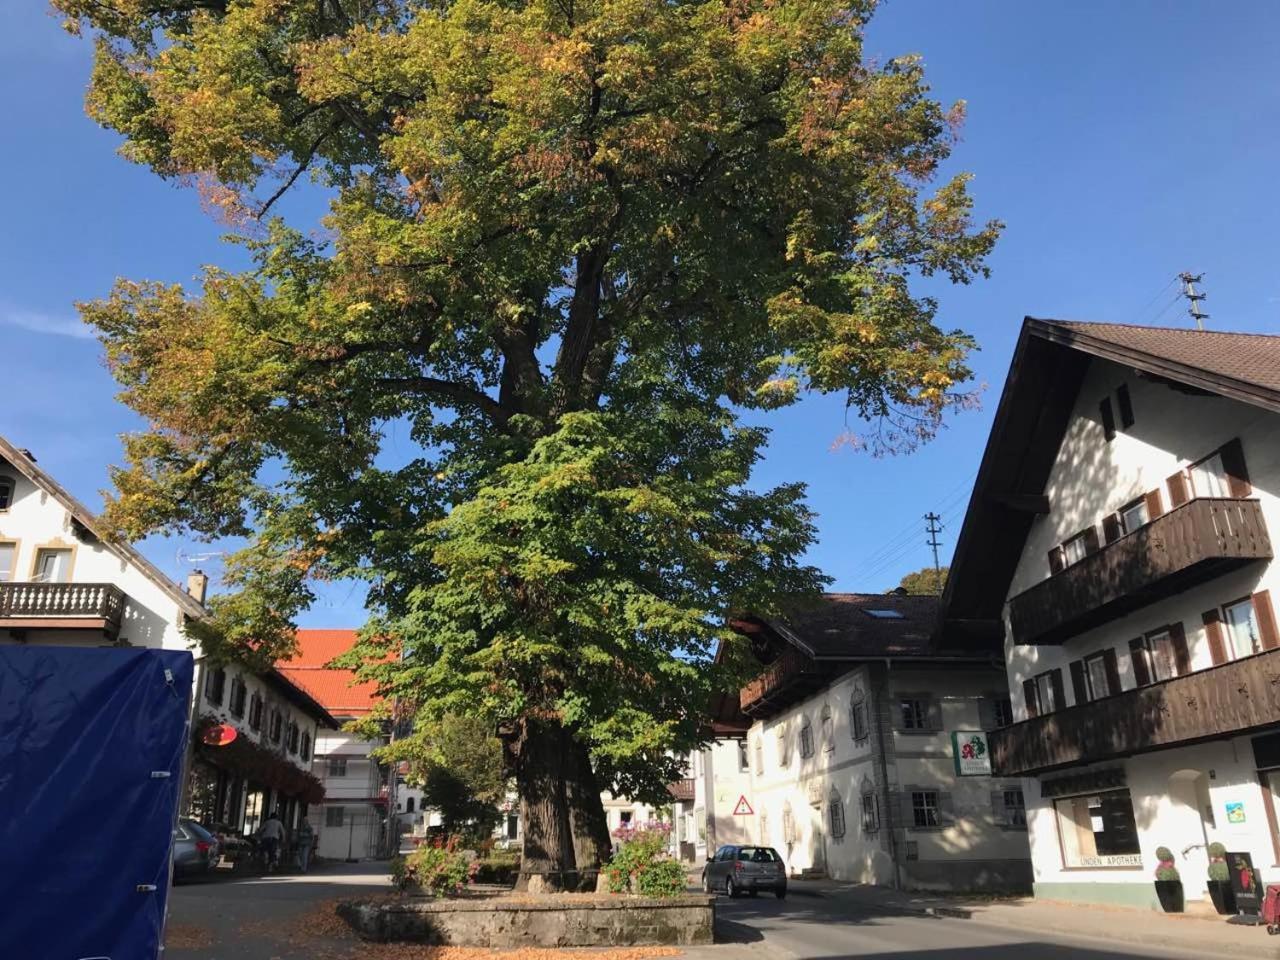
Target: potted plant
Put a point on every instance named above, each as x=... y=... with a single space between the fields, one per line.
x=1220 y=892
x=1168 y=883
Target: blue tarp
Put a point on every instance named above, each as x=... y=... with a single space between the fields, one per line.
x=91 y=752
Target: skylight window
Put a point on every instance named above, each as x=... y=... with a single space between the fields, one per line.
x=884 y=614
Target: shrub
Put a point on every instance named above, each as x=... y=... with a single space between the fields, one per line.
x=641 y=863
x=662 y=878
x=1166 y=870
x=1218 y=871
x=496 y=869
x=438 y=867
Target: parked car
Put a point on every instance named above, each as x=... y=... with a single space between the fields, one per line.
x=195 y=850
x=745 y=869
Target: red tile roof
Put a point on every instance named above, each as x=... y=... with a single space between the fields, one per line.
x=336 y=690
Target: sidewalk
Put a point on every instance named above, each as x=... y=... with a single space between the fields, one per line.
x=1120 y=924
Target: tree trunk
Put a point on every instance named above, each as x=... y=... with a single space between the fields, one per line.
x=587 y=820
x=537 y=751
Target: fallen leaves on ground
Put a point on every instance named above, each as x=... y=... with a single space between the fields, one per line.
x=415 y=951
x=187 y=936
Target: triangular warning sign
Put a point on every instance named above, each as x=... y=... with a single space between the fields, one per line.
x=743 y=809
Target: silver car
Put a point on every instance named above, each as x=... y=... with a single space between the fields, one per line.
x=745 y=869
x=195 y=850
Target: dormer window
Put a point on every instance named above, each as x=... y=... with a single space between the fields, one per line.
x=6 y=492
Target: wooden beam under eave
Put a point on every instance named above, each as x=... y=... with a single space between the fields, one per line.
x=1033 y=503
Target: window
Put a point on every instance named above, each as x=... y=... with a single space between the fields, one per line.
x=1098 y=830
x=759 y=756
x=858 y=716
x=884 y=614
x=788 y=825
x=1242 y=629
x=1161 y=660
x=1108 y=419
x=214 y=683
x=1134 y=515
x=625 y=816
x=828 y=731
x=408 y=805
x=53 y=565
x=744 y=763
x=924 y=809
x=337 y=766
x=255 y=712
x=1125 y=403
x=756 y=855
x=1075 y=549
x=1015 y=808
x=277 y=725
x=764 y=826
x=835 y=813
x=1095 y=672
x=1044 y=694
x=914 y=712
x=806 y=738
x=6 y=492
x=291 y=740
x=238 y=694
x=8 y=554
x=870 y=813
x=784 y=747
x=513 y=826
x=305 y=751
x=333 y=816
x=1003 y=711
x=1209 y=477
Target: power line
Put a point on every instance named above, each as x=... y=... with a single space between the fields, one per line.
x=1159 y=293
x=1189 y=291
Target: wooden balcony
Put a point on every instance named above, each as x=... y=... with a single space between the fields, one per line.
x=681 y=789
x=1221 y=701
x=1201 y=539
x=62 y=606
x=792 y=677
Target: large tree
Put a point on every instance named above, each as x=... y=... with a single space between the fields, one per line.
x=568 y=241
x=925 y=581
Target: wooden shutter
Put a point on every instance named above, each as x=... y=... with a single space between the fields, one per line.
x=1138 y=654
x=1181 y=656
x=986 y=713
x=1032 y=699
x=1090 y=539
x=1213 y=632
x=1056 y=562
x=1059 y=692
x=1155 y=504
x=906 y=816
x=1126 y=406
x=1111 y=527
x=1078 y=686
x=1266 y=617
x=1112 y=667
x=1232 y=454
x=933 y=713
x=998 y=811
x=946 y=808
x=1108 y=419
x=1178 y=494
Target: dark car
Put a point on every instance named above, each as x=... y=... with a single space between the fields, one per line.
x=745 y=869
x=195 y=850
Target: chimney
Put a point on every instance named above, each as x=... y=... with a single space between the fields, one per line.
x=197 y=585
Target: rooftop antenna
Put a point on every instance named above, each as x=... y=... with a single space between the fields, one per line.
x=1189 y=291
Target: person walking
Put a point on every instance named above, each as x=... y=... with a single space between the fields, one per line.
x=271 y=834
x=304 y=838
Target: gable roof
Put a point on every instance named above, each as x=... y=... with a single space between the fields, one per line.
x=299 y=696
x=337 y=690
x=1040 y=391
x=21 y=461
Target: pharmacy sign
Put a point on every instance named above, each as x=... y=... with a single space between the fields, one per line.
x=971 y=753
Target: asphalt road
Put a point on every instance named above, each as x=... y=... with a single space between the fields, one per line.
x=827 y=928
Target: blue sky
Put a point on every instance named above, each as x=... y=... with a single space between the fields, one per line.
x=1120 y=142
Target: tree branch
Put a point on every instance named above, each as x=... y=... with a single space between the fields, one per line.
x=462 y=394
x=303 y=165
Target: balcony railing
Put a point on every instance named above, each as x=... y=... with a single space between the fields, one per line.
x=1221 y=701
x=1201 y=539
x=98 y=606
x=791 y=677
x=681 y=789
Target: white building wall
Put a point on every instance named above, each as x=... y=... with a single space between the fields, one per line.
x=360 y=829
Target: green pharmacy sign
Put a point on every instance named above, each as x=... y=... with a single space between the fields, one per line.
x=971 y=754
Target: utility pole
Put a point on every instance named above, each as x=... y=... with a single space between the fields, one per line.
x=1189 y=291
x=933 y=529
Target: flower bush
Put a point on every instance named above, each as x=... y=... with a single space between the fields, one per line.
x=1166 y=870
x=1218 y=871
x=439 y=867
x=641 y=864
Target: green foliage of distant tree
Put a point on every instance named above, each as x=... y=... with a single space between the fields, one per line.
x=568 y=241
x=926 y=581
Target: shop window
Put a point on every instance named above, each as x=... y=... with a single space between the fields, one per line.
x=1098 y=830
x=335 y=816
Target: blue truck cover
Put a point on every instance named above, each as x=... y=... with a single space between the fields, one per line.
x=91 y=761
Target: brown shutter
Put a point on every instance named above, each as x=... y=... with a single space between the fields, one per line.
x=933 y=713
x=1055 y=560
x=1029 y=696
x=1181 y=656
x=1113 y=671
x=1111 y=527
x=1178 y=490
x=1266 y=618
x=1125 y=404
x=1237 y=473
x=1213 y=631
x=1108 y=419
x=1138 y=654
x=1155 y=504
x=1090 y=539
x=1059 y=692
x=1077 y=682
